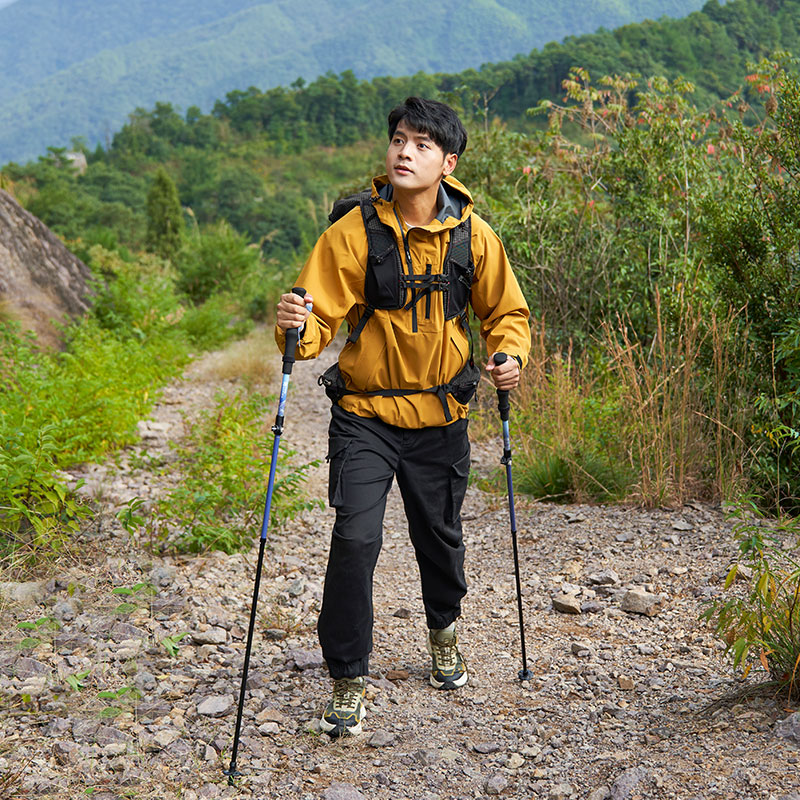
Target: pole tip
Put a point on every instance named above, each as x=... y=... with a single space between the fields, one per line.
x=525 y=674
x=232 y=773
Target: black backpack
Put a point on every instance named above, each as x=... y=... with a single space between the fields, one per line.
x=387 y=285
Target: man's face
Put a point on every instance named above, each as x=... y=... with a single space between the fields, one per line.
x=414 y=162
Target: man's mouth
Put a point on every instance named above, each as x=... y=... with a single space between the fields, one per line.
x=402 y=168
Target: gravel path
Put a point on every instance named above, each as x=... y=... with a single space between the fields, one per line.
x=622 y=668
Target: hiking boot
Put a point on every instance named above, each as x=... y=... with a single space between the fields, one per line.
x=448 y=670
x=345 y=711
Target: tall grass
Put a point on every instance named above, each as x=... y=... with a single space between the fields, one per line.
x=654 y=422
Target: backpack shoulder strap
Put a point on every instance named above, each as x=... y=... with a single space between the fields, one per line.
x=345 y=204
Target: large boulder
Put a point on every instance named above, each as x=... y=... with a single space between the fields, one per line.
x=41 y=282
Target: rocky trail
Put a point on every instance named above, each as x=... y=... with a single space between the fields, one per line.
x=623 y=670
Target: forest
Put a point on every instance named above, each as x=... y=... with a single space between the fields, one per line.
x=70 y=69
x=647 y=202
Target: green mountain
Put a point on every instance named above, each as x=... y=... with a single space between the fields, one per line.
x=78 y=68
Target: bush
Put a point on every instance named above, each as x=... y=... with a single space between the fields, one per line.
x=217 y=260
x=761 y=627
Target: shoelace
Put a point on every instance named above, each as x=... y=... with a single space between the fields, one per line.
x=346 y=693
x=445 y=653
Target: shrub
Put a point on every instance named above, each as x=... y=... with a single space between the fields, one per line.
x=223 y=466
x=761 y=626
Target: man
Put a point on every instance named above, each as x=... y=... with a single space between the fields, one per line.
x=402 y=267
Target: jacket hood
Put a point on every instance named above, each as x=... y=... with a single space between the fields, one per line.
x=454 y=201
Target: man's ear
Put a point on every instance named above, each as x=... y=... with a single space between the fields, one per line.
x=450 y=161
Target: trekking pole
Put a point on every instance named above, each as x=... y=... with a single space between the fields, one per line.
x=504 y=406
x=292 y=338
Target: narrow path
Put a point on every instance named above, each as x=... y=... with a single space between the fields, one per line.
x=611 y=707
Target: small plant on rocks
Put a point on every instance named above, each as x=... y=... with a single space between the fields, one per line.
x=218 y=502
x=762 y=626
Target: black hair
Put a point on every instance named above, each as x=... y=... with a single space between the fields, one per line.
x=432 y=118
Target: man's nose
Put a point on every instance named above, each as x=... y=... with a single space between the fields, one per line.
x=405 y=150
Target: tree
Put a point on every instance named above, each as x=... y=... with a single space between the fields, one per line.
x=164 y=217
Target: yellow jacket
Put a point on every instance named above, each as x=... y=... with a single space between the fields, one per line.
x=389 y=354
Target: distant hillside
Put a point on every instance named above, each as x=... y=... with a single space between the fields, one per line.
x=79 y=68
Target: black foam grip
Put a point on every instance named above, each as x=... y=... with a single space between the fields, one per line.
x=292 y=338
x=503 y=403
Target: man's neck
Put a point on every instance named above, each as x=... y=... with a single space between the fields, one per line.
x=418 y=208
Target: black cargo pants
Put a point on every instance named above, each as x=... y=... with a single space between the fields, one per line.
x=432 y=469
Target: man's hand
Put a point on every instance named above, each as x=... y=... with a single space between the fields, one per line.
x=505 y=376
x=292 y=311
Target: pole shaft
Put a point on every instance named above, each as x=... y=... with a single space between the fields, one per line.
x=292 y=338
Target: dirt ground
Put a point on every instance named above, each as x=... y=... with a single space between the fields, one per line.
x=618 y=705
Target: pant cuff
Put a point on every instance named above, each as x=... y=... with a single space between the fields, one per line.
x=436 y=623
x=348 y=669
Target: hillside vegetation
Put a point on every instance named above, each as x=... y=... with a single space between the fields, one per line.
x=78 y=69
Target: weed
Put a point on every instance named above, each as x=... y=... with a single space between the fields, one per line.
x=128 y=517
x=134 y=592
x=762 y=627
x=171 y=643
x=218 y=501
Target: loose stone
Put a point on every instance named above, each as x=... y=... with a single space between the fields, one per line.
x=638 y=601
x=567 y=604
x=496 y=784
x=342 y=791
x=215 y=705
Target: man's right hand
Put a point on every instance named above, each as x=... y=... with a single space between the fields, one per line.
x=292 y=311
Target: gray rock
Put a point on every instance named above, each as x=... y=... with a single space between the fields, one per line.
x=64 y=611
x=638 y=601
x=210 y=636
x=162 y=576
x=682 y=525
x=66 y=752
x=600 y=793
x=425 y=757
x=297 y=587
x=625 y=785
x=30 y=667
x=83 y=730
x=106 y=735
x=496 y=784
x=486 y=747
x=27 y=593
x=306 y=659
x=123 y=631
x=789 y=727
x=567 y=604
x=561 y=791
x=275 y=634
x=58 y=727
x=154 y=710
x=167 y=606
x=342 y=791
x=402 y=613
x=606 y=577
x=144 y=681
x=215 y=705
x=382 y=739
x=208 y=791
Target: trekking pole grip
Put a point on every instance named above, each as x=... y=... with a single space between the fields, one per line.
x=292 y=338
x=503 y=403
